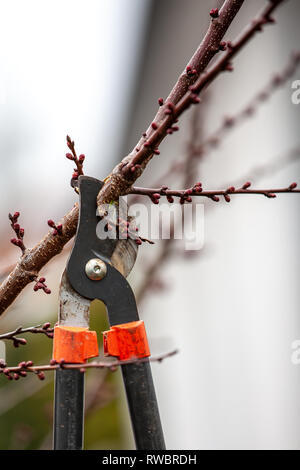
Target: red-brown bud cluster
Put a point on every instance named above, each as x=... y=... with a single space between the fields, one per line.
x=73 y=157
x=18 y=231
x=155 y=198
x=214 y=13
x=40 y=284
x=57 y=229
x=16 y=374
x=190 y=71
x=223 y=46
x=197 y=188
x=19 y=341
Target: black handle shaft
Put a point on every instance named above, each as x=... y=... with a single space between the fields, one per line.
x=68 y=409
x=143 y=406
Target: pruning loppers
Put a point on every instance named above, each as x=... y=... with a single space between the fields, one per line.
x=96 y=269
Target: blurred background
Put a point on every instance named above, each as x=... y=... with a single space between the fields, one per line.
x=94 y=70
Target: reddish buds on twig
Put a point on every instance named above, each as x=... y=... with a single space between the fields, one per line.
x=155 y=198
x=73 y=156
x=214 y=13
x=190 y=72
x=40 y=284
x=18 y=231
x=58 y=229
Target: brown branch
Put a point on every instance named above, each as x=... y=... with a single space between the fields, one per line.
x=34 y=259
x=132 y=166
x=248 y=111
x=174 y=111
x=186 y=195
x=151 y=271
x=21 y=370
x=119 y=182
x=230 y=123
x=12 y=335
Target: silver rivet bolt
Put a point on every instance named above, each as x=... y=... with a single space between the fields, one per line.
x=95 y=269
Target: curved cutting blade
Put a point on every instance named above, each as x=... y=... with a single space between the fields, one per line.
x=74 y=310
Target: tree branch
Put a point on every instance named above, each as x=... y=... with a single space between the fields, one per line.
x=186 y=195
x=25 y=367
x=230 y=123
x=29 y=265
x=132 y=166
x=12 y=335
x=122 y=177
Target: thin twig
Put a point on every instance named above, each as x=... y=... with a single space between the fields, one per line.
x=230 y=123
x=23 y=368
x=186 y=195
x=12 y=335
x=174 y=110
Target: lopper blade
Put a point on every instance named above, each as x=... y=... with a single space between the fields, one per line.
x=74 y=310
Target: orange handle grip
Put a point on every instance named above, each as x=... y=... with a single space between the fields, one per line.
x=126 y=341
x=74 y=344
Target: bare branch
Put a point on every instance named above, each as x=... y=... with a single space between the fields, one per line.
x=33 y=260
x=132 y=166
x=186 y=195
x=230 y=123
x=21 y=370
x=122 y=177
x=12 y=335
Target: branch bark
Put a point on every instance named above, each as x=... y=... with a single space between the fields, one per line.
x=133 y=165
x=29 y=265
x=119 y=181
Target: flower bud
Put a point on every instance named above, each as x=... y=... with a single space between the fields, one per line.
x=214 y=13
